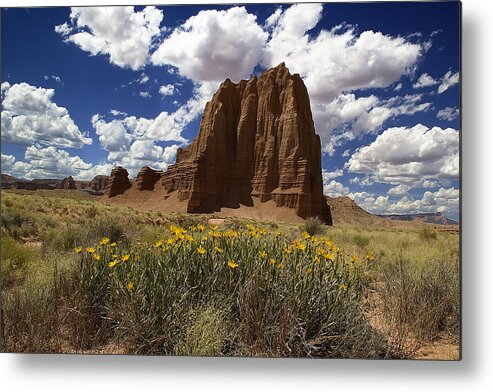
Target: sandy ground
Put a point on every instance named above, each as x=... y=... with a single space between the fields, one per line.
x=156 y=201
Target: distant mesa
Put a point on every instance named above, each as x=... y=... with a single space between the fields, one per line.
x=436 y=218
x=345 y=211
x=8 y=181
x=67 y=183
x=94 y=187
x=256 y=155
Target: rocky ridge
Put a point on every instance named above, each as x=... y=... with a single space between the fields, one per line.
x=118 y=182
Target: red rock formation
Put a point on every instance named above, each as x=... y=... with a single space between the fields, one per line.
x=67 y=183
x=256 y=140
x=147 y=178
x=256 y=147
x=99 y=183
x=119 y=182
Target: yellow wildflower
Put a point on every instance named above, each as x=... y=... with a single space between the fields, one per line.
x=262 y=254
x=104 y=241
x=201 y=250
x=159 y=244
x=309 y=270
x=192 y=228
x=96 y=257
x=213 y=227
x=278 y=233
x=329 y=256
x=281 y=266
x=125 y=257
x=189 y=238
x=115 y=257
x=230 y=234
x=113 y=244
x=343 y=286
x=272 y=261
x=130 y=285
x=288 y=250
x=214 y=234
x=369 y=257
x=170 y=241
x=217 y=249
x=200 y=227
x=113 y=263
x=232 y=264
x=306 y=235
x=90 y=250
x=300 y=246
x=178 y=231
x=317 y=259
x=78 y=249
x=354 y=259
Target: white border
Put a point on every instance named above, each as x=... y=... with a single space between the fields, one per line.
x=91 y=373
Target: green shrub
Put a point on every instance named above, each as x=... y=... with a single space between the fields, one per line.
x=360 y=240
x=206 y=333
x=15 y=261
x=427 y=233
x=294 y=302
x=7 y=202
x=420 y=302
x=65 y=238
x=313 y=226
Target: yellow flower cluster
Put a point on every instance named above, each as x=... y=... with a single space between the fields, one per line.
x=234 y=249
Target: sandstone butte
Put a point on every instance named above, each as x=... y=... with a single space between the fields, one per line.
x=256 y=155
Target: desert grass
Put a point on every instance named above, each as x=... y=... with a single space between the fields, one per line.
x=79 y=276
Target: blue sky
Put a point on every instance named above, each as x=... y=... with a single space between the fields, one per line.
x=85 y=89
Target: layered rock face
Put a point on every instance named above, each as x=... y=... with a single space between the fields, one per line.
x=256 y=140
x=147 y=178
x=118 y=182
x=256 y=147
x=67 y=183
x=98 y=183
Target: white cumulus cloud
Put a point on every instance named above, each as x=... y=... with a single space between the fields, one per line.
x=347 y=117
x=334 y=189
x=408 y=156
x=167 y=89
x=119 y=32
x=424 y=80
x=213 y=45
x=29 y=115
x=339 y=60
x=48 y=162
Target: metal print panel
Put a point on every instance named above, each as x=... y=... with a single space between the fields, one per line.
x=267 y=180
